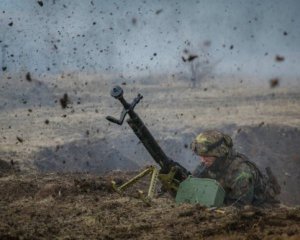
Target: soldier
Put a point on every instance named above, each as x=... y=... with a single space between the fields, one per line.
x=241 y=179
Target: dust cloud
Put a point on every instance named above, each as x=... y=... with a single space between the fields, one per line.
x=199 y=64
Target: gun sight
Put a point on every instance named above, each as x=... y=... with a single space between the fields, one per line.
x=117 y=92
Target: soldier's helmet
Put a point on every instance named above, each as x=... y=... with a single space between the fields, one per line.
x=212 y=143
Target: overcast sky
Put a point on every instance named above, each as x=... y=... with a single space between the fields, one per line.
x=146 y=37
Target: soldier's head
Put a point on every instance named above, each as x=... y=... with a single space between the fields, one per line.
x=212 y=145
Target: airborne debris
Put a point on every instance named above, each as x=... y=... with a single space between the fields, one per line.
x=21 y=140
x=64 y=101
x=190 y=58
x=40 y=3
x=274 y=82
x=28 y=77
x=134 y=21
x=279 y=58
x=158 y=11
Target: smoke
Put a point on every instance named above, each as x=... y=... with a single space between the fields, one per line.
x=148 y=37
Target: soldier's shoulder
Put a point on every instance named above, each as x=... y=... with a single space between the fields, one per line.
x=240 y=162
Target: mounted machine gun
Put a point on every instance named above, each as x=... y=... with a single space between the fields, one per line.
x=171 y=173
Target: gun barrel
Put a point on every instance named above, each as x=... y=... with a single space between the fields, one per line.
x=142 y=132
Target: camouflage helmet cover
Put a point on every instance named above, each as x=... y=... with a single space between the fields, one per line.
x=212 y=143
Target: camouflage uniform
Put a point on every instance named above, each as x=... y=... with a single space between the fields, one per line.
x=240 y=178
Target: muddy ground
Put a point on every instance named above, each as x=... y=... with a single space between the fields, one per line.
x=58 y=156
x=83 y=206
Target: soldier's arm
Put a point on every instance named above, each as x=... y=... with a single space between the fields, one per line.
x=242 y=187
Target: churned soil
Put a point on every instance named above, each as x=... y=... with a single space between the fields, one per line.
x=84 y=206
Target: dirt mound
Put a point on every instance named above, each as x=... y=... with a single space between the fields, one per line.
x=274 y=146
x=82 y=156
x=7 y=168
x=4 y=166
x=27 y=94
x=80 y=206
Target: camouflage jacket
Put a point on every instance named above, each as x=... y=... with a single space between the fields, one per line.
x=240 y=178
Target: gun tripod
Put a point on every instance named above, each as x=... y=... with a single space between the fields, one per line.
x=153 y=171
